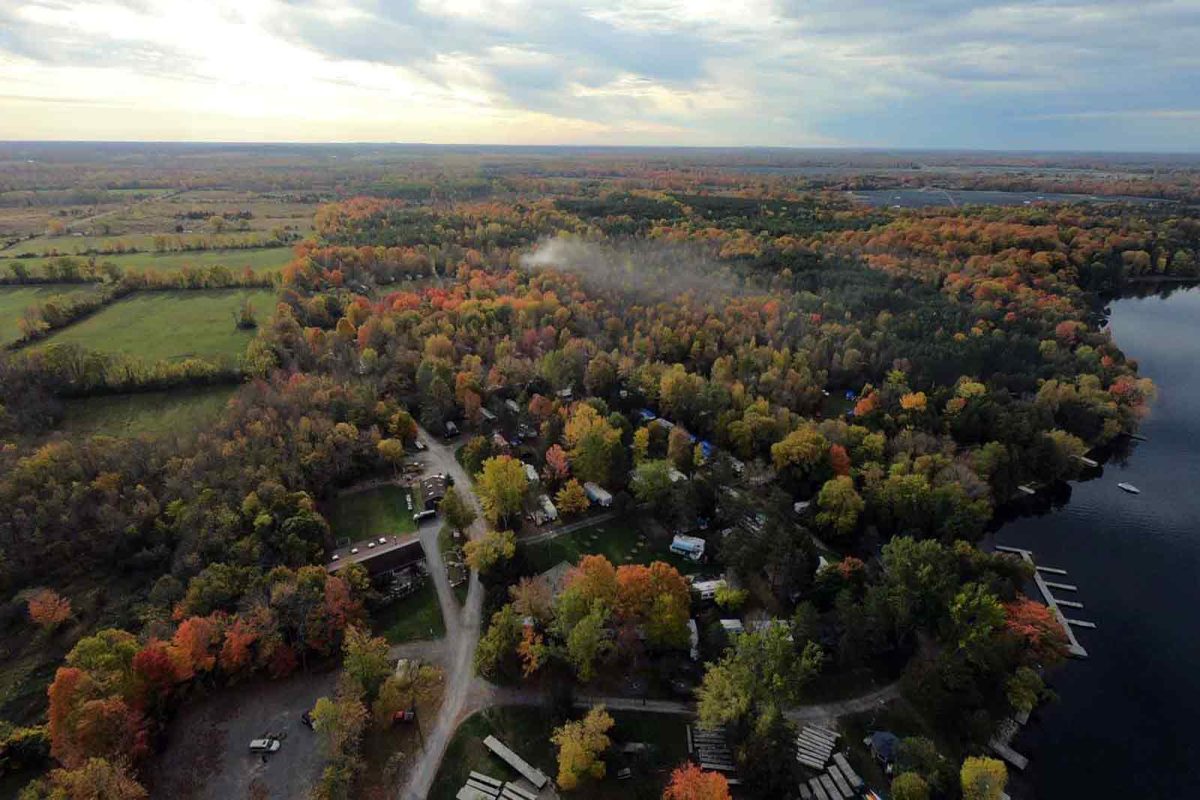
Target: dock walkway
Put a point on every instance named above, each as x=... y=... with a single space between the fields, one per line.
x=1073 y=646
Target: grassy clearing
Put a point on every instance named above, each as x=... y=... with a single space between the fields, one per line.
x=171 y=325
x=418 y=616
x=621 y=541
x=15 y=299
x=527 y=731
x=146 y=413
x=259 y=259
x=365 y=514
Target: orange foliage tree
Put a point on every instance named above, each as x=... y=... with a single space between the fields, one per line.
x=689 y=782
x=49 y=609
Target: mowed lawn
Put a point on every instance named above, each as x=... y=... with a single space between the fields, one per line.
x=366 y=514
x=171 y=326
x=620 y=541
x=145 y=413
x=15 y=299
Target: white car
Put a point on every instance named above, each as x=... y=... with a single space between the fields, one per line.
x=268 y=745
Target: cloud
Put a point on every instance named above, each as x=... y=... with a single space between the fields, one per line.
x=701 y=72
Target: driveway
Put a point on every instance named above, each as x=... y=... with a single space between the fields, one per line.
x=462 y=626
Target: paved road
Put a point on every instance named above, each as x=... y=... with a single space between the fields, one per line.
x=812 y=712
x=570 y=527
x=457 y=650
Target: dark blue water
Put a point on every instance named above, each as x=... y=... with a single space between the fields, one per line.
x=1127 y=724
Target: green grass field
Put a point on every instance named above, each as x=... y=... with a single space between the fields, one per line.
x=260 y=259
x=418 y=616
x=15 y=299
x=617 y=540
x=527 y=731
x=170 y=326
x=146 y=413
x=379 y=511
x=71 y=244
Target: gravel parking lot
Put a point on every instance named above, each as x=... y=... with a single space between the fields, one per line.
x=207 y=755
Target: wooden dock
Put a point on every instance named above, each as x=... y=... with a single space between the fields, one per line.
x=1044 y=586
x=527 y=771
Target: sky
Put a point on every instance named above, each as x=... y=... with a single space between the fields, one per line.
x=1117 y=75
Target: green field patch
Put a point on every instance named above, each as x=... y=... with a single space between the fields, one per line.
x=146 y=413
x=369 y=513
x=15 y=299
x=616 y=540
x=527 y=730
x=70 y=244
x=418 y=616
x=170 y=325
x=258 y=259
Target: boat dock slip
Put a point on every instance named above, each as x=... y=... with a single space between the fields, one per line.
x=1044 y=586
x=1070 y=603
x=1050 y=570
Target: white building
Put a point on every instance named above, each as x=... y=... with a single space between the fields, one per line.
x=691 y=547
x=599 y=496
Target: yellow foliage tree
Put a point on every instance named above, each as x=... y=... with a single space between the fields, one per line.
x=580 y=745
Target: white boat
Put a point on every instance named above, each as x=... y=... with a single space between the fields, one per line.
x=1129 y=487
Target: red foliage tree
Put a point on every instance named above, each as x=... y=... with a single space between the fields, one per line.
x=839 y=459
x=156 y=672
x=1038 y=627
x=557 y=467
x=49 y=609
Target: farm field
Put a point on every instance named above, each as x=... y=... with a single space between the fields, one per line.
x=76 y=245
x=616 y=540
x=145 y=413
x=259 y=259
x=377 y=511
x=15 y=299
x=170 y=325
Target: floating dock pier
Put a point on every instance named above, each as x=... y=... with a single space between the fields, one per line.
x=1044 y=586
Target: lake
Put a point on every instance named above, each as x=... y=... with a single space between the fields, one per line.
x=1129 y=715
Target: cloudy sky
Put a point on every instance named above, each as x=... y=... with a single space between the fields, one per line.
x=1032 y=74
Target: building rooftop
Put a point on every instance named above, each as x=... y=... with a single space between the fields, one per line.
x=381 y=554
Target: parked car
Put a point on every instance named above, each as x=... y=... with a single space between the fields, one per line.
x=404 y=715
x=267 y=744
x=307 y=719
x=426 y=514
x=420 y=445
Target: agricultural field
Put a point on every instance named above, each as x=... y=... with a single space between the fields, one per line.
x=15 y=299
x=145 y=413
x=378 y=511
x=620 y=541
x=258 y=259
x=170 y=325
x=72 y=244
